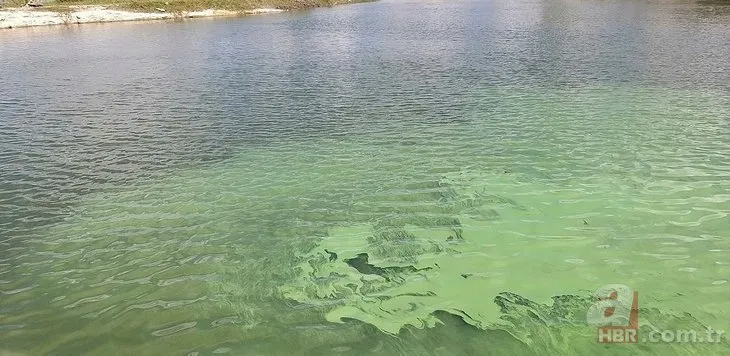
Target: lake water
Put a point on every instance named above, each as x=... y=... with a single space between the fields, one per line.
x=401 y=177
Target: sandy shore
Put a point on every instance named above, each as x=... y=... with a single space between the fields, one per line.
x=26 y=17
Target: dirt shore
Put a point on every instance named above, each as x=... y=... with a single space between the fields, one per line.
x=27 y=17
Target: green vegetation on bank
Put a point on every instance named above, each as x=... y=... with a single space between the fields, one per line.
x=188 y=5
x=12 y=3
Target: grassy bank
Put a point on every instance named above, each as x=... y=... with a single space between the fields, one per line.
x=188 y=5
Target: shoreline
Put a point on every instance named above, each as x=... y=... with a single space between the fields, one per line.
x=27 y=17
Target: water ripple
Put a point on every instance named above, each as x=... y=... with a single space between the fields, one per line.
x=219 y=174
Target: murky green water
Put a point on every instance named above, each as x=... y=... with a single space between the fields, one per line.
x=420 y=178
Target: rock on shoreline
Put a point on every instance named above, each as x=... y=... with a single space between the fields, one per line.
x=26 y=17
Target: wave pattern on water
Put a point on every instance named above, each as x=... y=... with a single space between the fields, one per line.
x=392 y=229
x=373 y=179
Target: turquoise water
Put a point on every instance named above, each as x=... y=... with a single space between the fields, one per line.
x=392 y=178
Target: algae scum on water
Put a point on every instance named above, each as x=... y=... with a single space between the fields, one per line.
x=455 y=238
